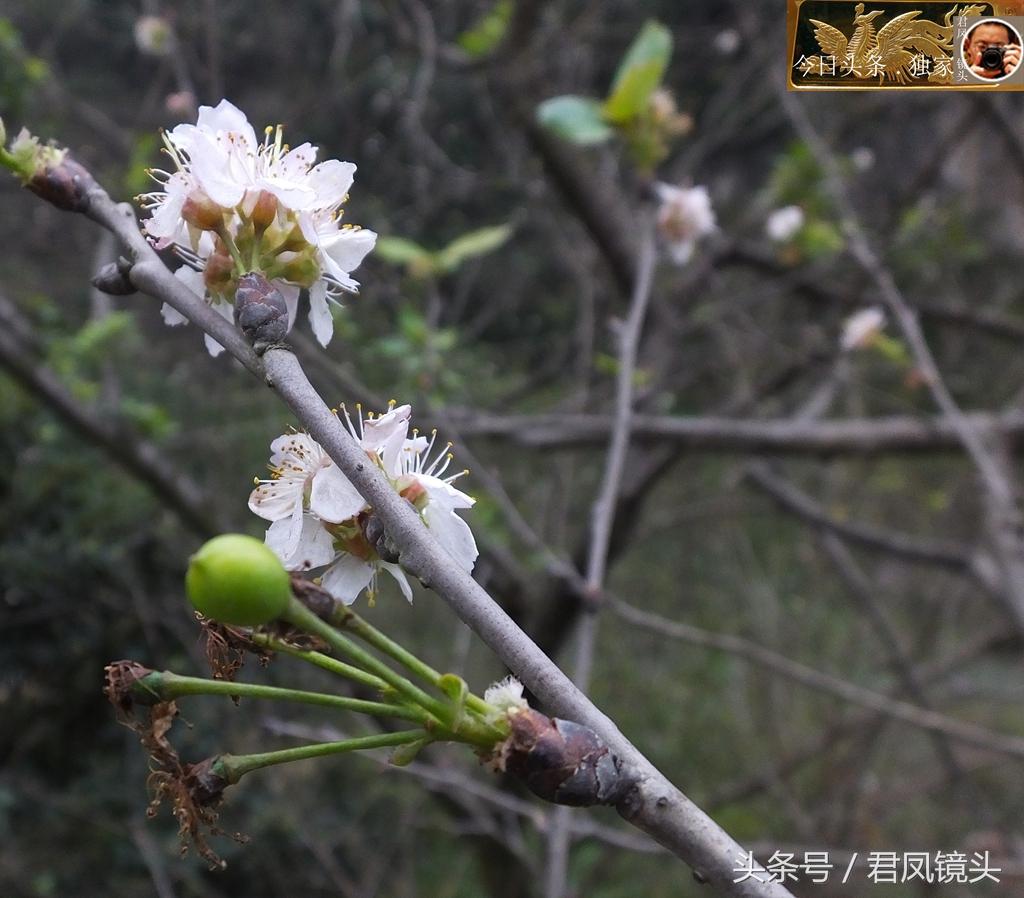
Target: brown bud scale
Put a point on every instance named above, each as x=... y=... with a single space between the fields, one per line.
x=562 y=761
x=65 y=185
x=260 y=311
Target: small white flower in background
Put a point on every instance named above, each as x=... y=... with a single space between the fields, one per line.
x=318 y=517
x=727 y=41
x=180 y=102
x=684 y=216
x=153 y=35
x=860 y=329
x=234 y=204
x=783 y=224
x=863 y=158
x=506 y=696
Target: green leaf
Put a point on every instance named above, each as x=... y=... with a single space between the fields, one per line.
x=639 y=73
x=457 y=691
x=469 y=246
x=406 y=754
x=488 y=30
x=578 y=119
x=399 y=251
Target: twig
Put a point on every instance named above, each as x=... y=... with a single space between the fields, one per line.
x=1006 y=520
x=142 y=459
x=774 y=436
x=969 y=734
x=601 y=528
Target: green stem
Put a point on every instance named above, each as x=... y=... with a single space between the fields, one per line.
x=167 y=685
x=300 y=616
x=471 y=730
x=234 y=767
x=348 y=619
x=326 y=662
x=229 y=242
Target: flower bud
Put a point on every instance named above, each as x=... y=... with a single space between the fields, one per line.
x=115 y=278
x=562 y=761
x=219 y=270
x=238 y=580
x=260 y=311
x=264 y=211
x=202 y=212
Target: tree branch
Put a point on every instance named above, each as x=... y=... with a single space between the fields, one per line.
x=653 y=804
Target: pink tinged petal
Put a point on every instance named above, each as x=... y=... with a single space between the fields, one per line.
x=347 y=577
x=320 y=318
x=333 y=497
x=331 y=181
x=349 y=247
x=453 y=534
x=172 y=317
x=400 y=579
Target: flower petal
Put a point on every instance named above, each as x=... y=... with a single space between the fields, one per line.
x=314 y=548
x=349 y=247
x=386 y=436
x=331 y=180
x=453 y=534
x=400 y=578
x=290 y=292
x=347 y=577
x=277 y=499
x=172 y=317
x=320 y=318
x=333 y=497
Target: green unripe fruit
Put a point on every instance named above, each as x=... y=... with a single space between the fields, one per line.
x=236 y=579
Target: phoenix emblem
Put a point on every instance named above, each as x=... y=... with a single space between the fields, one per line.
x=890 y=52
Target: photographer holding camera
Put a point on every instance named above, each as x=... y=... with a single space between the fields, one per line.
x=990 y=51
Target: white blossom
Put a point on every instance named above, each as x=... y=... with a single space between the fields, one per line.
x=234 y=204
x=783 y=224
x=684 y=216
x=861 y=328
x=318 y=516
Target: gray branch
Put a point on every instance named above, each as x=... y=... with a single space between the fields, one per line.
x=653 y=804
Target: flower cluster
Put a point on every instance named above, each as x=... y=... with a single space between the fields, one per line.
x=234 y=205
x=319 y=519
x=684 y=216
